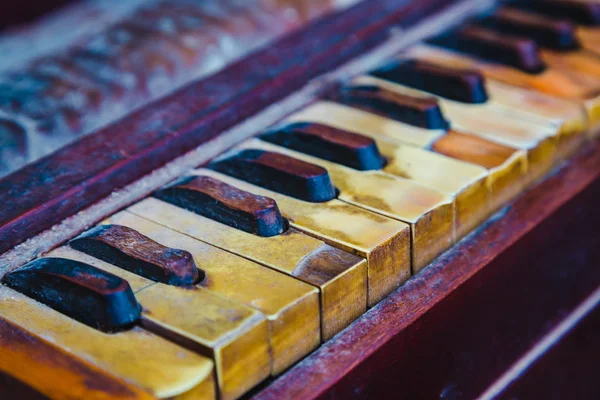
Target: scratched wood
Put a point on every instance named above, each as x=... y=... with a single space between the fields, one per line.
x=509 y=283
x=148 y=138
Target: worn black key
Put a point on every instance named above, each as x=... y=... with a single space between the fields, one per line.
x=226 y=204
x=279 y=173
x=581 y=12
x=130 y=250
x=464 y=85
x=329 y=143
x=515 y=51
x=417 y=111
x=90 y=295
x=557 y=34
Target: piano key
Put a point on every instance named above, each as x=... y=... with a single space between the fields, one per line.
x=384 y=242
x=569 y=117
x=52 y=372
x=558 y=34
x=291 y=177
x=464 y=182
x=429 y=212
x=420 y=112
x=566 y=114
x=343 y=147
x=341 y=277
x=291 y=306
x=461 y=85
x=495 y=124
x=139 y=254
x=549 y=33
x=518 y=52
x=525 y=104
x=226 y=204
x=135 y=355
x=566 y=84
x=89 y=295
x=580 y=11
x=506 y=166
x=232 y=335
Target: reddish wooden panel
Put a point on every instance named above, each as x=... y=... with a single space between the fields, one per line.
x=74 y=177
x=459 y=324
x=569 y=370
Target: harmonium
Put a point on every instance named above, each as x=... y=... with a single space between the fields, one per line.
x=300 y=199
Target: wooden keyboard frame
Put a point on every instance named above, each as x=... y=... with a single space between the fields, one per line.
x=452 y=329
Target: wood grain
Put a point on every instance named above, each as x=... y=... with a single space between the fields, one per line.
x=82 y=173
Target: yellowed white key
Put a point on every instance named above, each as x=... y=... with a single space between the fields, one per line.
x=492 y=123
x=144 y=359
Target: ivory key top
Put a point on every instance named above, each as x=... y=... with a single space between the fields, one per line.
x=429 y=212
x=465 y=183
x=554 y=80
x=384 y=242
x=340 y=277
x=230 y=334
x=291 y=307
x=538 y=139
x=52 y=372
x=506 y=166
x=128 y=352
x=569 y=117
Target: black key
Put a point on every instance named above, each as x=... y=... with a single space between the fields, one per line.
x=130 y=250
x=417 y=111
x=464 y=85
x=90 y=295
x=279 y=173
x=581 y=12
x=226 y=204
x=515 y=51
x=329 y=143
x=548 y=32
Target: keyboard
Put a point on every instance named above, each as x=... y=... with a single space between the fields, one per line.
x=263 y=259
